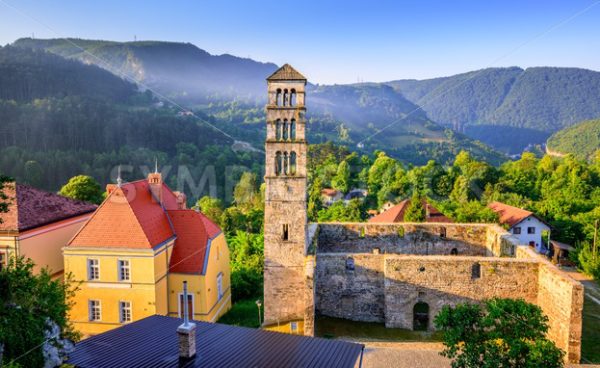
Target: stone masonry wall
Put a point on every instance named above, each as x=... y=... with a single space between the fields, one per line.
x=440 y=281
x=352 y=294
x=405 y=238
x=561 y=299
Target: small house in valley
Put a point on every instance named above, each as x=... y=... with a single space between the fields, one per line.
x=396 y=213
x=329 y=196
x=524 y=225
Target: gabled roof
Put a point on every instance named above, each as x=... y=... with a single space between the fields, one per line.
x=510 y=215
x=329 y=192
x=194 y=232
x=153 y=341
x=29 y=208
x=396 y=213
x=129 y=218
x=286 y=72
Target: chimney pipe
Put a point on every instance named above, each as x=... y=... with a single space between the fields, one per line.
x=186 y=331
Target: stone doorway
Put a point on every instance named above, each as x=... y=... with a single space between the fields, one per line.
x=421 y=316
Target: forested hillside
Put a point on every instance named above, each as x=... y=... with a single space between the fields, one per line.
x=61 y=118
x=178 y=70
x=534 y=102
x=581 y=140
x=221 y=86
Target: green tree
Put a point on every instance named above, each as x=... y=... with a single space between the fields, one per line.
x=211 y=207
x=83 y=188
x=3 y=197
x=341 y=181
x=499 y=333
x=341 y=212
x=247 y=260
x=245 y=193
x=415 y=211
x=314 y=200
x=31 y=306
x=33 y=173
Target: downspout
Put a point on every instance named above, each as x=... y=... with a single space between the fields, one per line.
x=361 y=356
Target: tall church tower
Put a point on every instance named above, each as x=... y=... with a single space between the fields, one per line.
x=285 y=197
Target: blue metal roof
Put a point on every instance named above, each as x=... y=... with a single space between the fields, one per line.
x=153 y=342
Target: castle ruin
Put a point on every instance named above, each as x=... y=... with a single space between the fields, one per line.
x=399 y=274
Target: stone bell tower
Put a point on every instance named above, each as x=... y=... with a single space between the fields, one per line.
x=285 y=197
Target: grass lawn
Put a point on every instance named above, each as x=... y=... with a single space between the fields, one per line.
x=243 y=313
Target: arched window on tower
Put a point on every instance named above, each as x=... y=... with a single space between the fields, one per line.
x=286 y=97
x=285 y=163
x=293 y=97
x=278 y=97
x=278 y=129
x=285 y=130
x=278 y=167
x=293 y=130
x=293 y=163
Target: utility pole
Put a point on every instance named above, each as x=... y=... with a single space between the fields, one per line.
x=594 y=248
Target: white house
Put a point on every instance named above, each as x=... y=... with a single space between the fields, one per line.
x=523 y=224
x=330 y=196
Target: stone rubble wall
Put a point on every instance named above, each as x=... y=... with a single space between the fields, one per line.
x=404 y=238
x=561 y=299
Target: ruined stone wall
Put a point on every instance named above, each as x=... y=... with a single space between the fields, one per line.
x=404 y=238
x=356 y=294
x=385 y=288
x=440 y=281
x=561 y=299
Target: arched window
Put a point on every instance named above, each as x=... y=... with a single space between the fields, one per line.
x=285 y=97
x=293 y=163
x=278 y=97
x=350 y=264
x=285 y=163
x=293 y=130
x=454 y=252
x=285 y=130
x=278 y=129
x=278 y=163
x=293 y=97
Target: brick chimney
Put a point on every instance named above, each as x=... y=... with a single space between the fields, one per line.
x=186 y=332
x=155 y=182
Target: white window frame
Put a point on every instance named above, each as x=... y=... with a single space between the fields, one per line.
x=220 y=292
x=122 y=308
x=121 y=267
x=180 y=310
x=517 y=230
x=90 y=266
x=91 y=310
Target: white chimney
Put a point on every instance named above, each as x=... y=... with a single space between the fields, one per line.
x=186 y=331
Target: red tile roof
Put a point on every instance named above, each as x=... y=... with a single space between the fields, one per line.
x=329 y=192
x=508 y=214
x=30 y=208
x=396 y=213
x=131 y=217
x=194 y=230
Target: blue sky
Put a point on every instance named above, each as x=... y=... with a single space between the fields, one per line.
x=337 y=41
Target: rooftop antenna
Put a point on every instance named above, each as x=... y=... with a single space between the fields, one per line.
x=119 y=180
x=155 y=165
x=186 y=317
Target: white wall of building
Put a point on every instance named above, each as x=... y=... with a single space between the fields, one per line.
x=525 y=237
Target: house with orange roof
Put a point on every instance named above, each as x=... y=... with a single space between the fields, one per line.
x=134 y=253
x=38 y=225
x=329 y=196
x=396 y=213
x=523 y=224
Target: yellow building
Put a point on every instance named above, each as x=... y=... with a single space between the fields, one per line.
x=134 y=253
x=38 y=225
